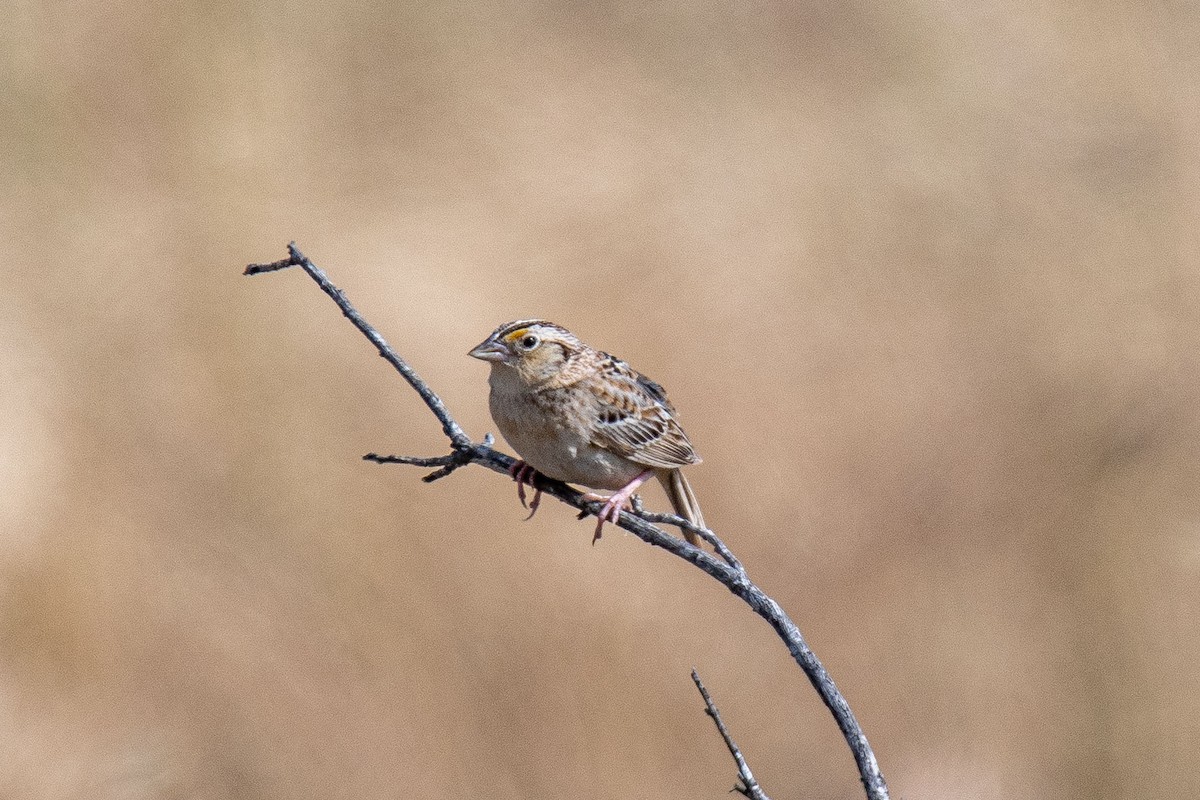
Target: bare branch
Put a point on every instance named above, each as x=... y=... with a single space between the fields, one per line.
x=749 y=787
x=687 y=525
x=416 y=461
x=727 y=570
x=295 y=258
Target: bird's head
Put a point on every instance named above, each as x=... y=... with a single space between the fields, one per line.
x=538 y=351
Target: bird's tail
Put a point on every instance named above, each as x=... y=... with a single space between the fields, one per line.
x=683 y=500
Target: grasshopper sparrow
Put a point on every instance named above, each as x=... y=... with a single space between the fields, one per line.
x=579 y=415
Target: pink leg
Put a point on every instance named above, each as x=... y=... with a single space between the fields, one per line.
x=517 y=473
x=522 y=473
x=537 y=497
x=612 y=507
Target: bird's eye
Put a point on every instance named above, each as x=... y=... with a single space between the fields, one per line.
x=530 y=342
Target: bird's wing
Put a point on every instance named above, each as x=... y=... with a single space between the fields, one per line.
x=634 y=419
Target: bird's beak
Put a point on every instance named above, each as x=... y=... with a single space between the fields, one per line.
x=490 y=351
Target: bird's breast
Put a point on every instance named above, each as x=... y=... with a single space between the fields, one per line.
x=554 y=438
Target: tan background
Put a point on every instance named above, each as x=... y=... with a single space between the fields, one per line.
x=922 y=279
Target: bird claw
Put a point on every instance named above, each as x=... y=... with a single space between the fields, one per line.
x=522 y=473
x=611 y=510
x=609 y=513
x=535 y=502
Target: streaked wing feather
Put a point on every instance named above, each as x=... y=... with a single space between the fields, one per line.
x=634 y=419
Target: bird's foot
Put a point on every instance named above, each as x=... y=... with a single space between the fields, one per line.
x=522 y=473
x=611 y=511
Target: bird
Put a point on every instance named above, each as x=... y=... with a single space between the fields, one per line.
x=579 y=415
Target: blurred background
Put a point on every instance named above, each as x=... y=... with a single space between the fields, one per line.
x=921 y=279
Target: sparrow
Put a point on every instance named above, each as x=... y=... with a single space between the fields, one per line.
x=579 y=415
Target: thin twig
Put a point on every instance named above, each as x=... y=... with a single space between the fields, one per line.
x=416 y=461
x=749 y=787
x=687 y=525
x=732 y=577
x=458 y=439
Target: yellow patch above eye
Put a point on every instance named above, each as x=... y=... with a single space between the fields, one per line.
x=515 y=335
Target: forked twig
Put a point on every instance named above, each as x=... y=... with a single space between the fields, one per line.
x=687 y=525
x=725 y=569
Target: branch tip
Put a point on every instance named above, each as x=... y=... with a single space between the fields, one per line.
x=749 y=786
x=258 y=269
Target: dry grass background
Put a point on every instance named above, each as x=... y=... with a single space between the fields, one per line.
x=921 y=277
